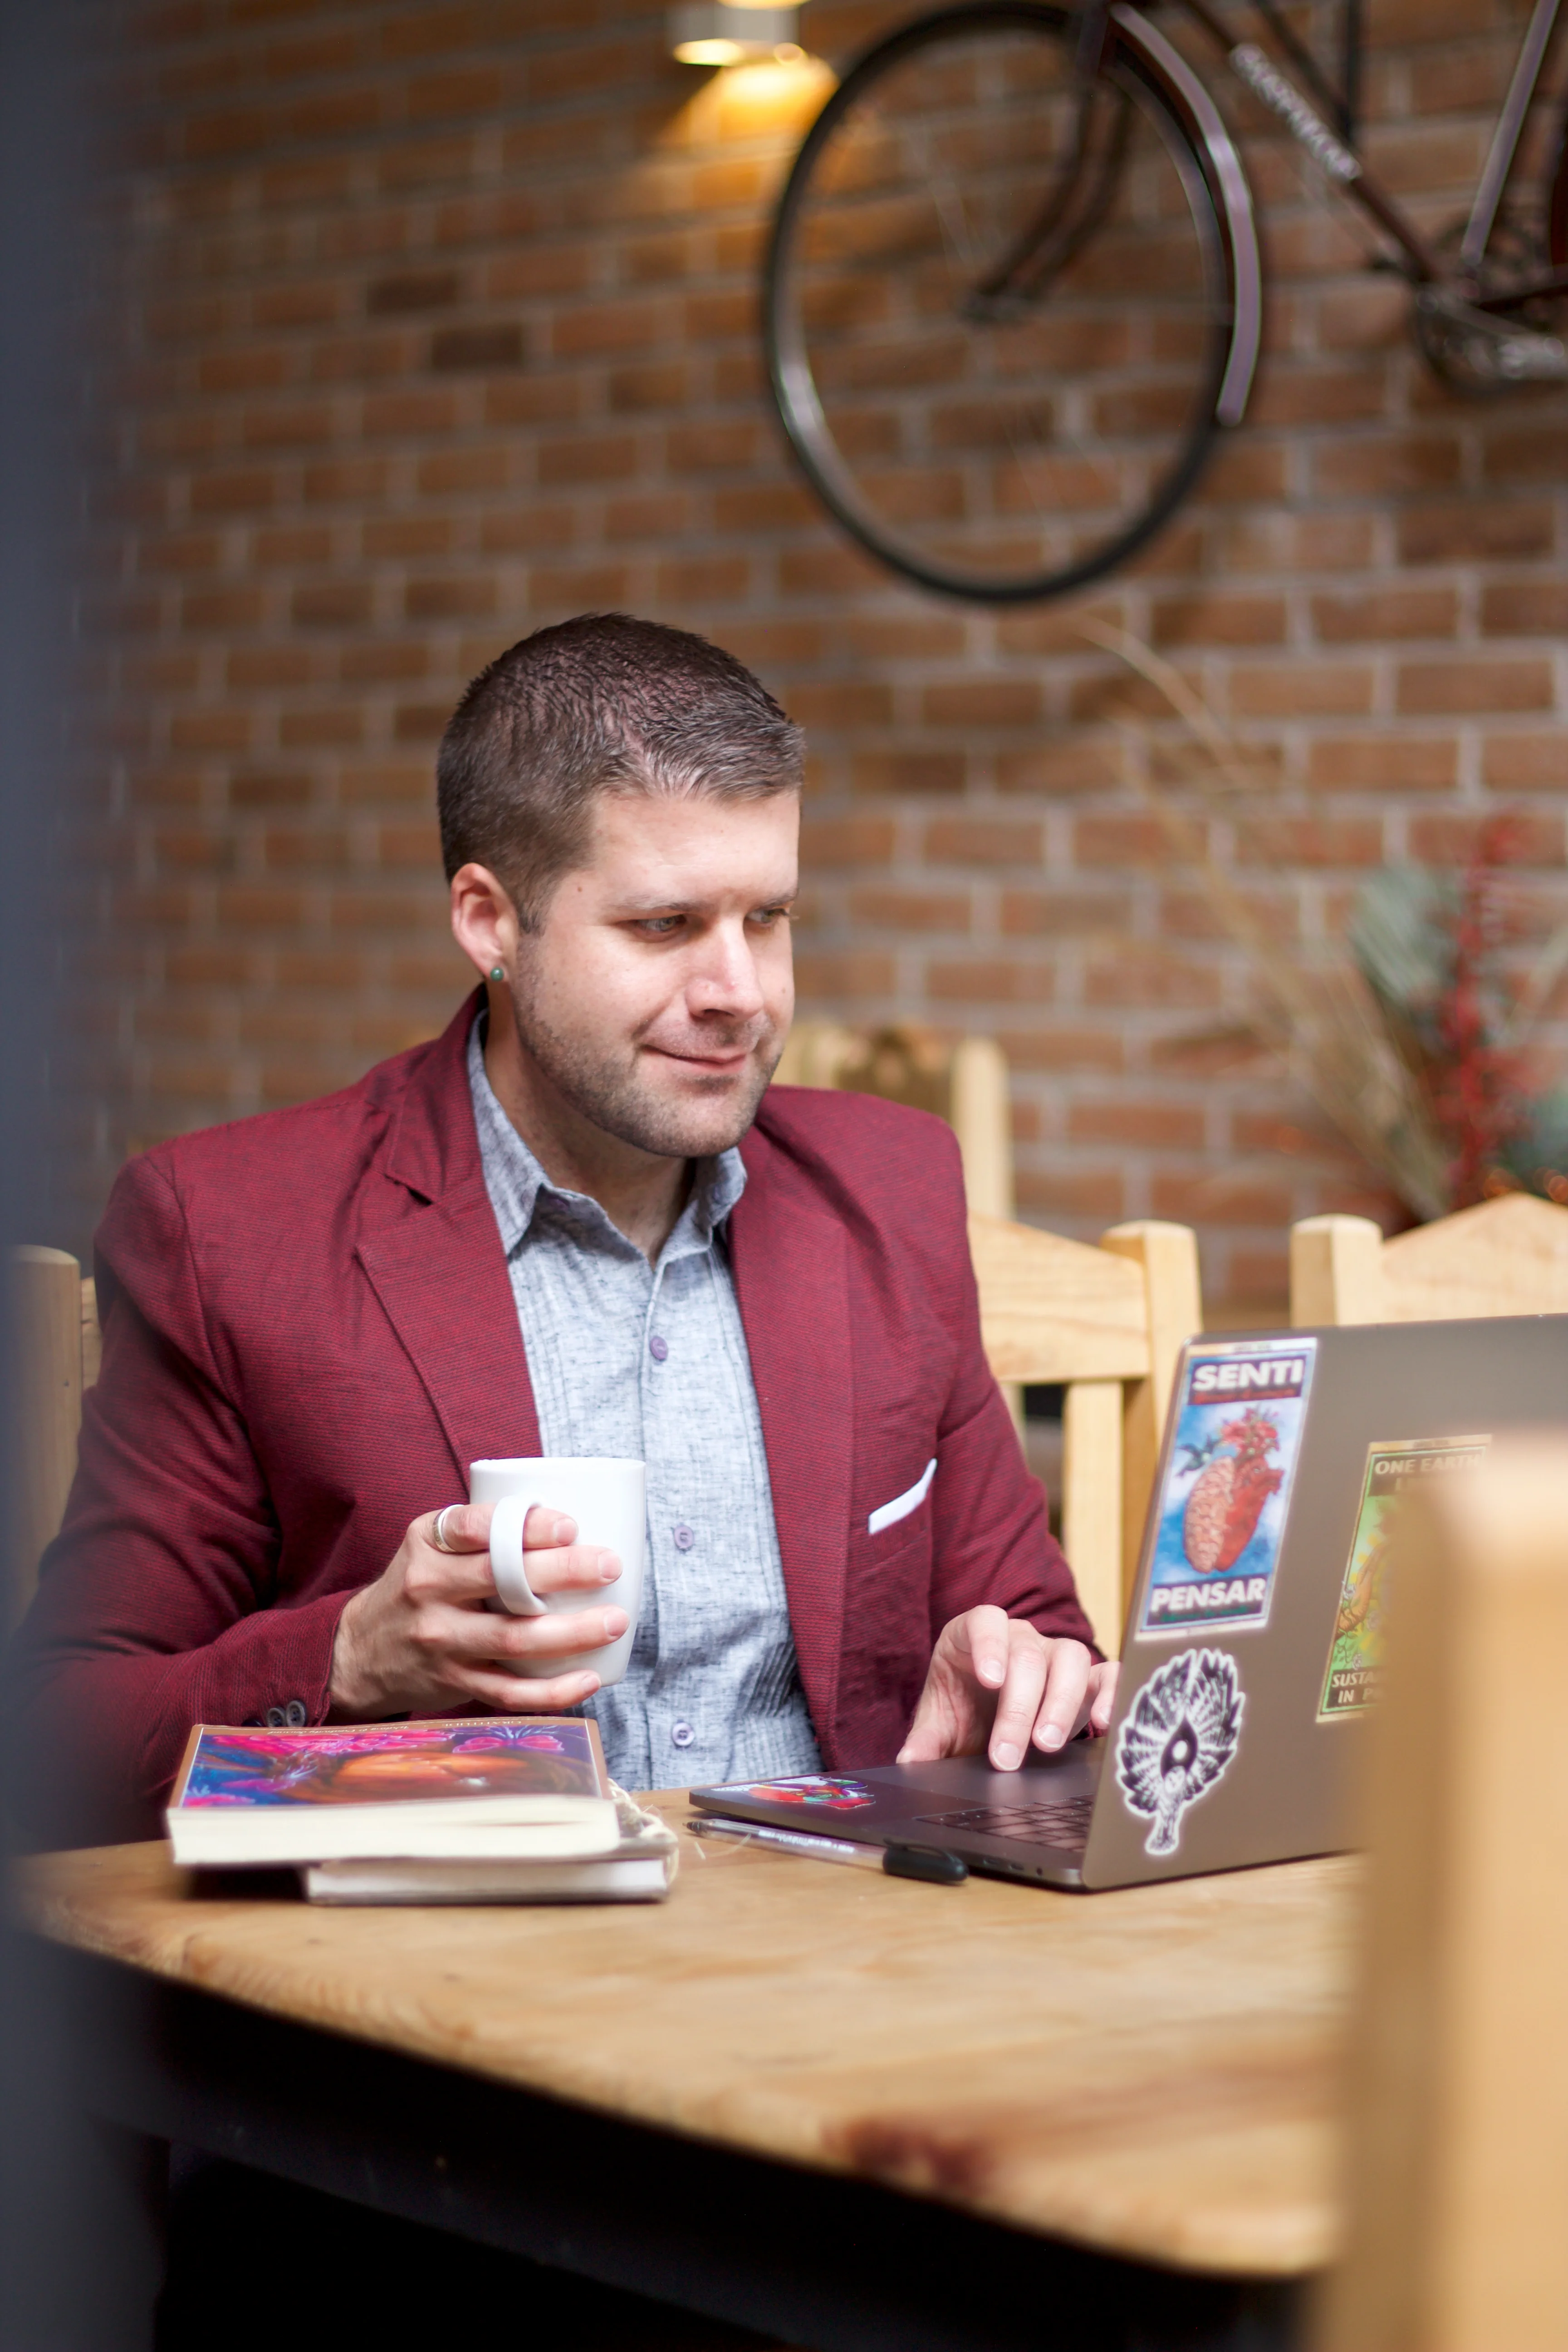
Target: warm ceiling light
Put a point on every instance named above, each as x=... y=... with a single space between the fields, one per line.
x=733 y=32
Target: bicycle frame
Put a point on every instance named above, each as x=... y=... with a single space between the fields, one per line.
x=1337 y=157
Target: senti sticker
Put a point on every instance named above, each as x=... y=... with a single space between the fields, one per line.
x=1227 y=1483
x=1354 y=1677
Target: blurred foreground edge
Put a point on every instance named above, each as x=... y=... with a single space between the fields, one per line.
x=1456 y=2148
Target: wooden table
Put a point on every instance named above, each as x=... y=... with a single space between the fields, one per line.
x=785 y=2057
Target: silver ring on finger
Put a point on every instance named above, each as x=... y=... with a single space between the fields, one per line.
x=438 y=1532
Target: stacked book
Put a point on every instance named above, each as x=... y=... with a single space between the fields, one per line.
x=472 y=1810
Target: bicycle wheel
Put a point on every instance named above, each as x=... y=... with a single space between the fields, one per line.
x=998 y=304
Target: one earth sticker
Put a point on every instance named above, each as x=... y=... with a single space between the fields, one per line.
x=1355 y=1674
x=1227 y=1485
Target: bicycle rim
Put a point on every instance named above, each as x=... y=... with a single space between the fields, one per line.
x=1012 y=458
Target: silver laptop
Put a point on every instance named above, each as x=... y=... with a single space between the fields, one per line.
x=1252 y=1649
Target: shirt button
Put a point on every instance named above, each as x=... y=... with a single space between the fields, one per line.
x=276 y=1719
x=296 y=1712
x=684 y=1539
x=681 y=1735
x=659 y=1347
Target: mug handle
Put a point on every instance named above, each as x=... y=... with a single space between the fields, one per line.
x=507 y=1564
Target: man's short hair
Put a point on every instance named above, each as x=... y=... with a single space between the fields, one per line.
x=601 y=704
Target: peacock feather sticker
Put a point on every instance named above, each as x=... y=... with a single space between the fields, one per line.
x=1178 y=1740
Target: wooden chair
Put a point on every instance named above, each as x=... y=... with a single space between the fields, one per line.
x=1509 y=1256
x=1108 y=1323
x=53 y=1332
x=965 y=1084
x=1456 y=2074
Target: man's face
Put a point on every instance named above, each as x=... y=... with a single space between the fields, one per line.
x=657 y=994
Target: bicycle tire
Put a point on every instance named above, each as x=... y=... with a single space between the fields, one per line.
x=983 y=553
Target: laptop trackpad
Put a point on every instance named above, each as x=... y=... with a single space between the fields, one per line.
x=1048 y=1803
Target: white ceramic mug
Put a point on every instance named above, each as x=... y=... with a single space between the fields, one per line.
x=608 y=1499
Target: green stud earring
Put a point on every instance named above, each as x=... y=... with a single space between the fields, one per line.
x=498 y=971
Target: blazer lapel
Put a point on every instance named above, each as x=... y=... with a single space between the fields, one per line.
x=434 y=1257
x=440 y=1274
x=791 y=1278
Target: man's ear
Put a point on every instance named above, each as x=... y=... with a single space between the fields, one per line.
x=484 y=921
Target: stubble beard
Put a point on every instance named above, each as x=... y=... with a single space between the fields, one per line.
x=606 y=1086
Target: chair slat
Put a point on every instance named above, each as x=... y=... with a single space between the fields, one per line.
x=1052 y=1309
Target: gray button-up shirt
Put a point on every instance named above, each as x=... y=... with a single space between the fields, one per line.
x=650 y=1362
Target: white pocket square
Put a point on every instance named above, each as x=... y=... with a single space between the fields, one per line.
x=902 y=1504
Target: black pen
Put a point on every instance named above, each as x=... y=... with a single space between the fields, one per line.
x=931 y=1863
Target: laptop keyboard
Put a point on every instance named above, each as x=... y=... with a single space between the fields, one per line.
x=1064 y=1823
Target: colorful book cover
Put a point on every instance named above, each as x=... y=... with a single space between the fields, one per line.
x=1353 y=1676
x=836 y=1792
x=1226 y=1492
x=468 y=1759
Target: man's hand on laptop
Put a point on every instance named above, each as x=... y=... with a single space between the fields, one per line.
x=421 y=1641
x=995 y=1683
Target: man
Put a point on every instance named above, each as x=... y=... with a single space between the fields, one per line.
x=574 y=1225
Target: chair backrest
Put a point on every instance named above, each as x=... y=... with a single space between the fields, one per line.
x=1456 y=2171
x=1509 y=1256
x=1108 y=1323
x=965 y=1084
x=53 y=1333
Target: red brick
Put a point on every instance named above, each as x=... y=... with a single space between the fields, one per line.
x=821 y=976
x=1137 y=975
x=1450 y=840
x=1139 y=1126
x=1123 y=841
x=1382 y=465
x=988 y=979
x=1209 y=1200
x=1525 y=608
x=1054 y=914
x=984 y=841
x=606 y=326
x=590 y=457
x=461 y=597
x=1526 y=763
x=1055 y=1048
x=1460 y=686
x=829 y=841
x=841 y=702
x=1384 y=763
x=1075 y=765
x=1386 y=612
x=911 y=911
x=1461 y=530
x=1316 y=840
x=1094 y=1193
x=722 y=579
x=984 y=702
x=1281 y=692
x=663 y=383
x=1219 y=619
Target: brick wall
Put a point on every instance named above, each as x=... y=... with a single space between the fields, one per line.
x=439 y=322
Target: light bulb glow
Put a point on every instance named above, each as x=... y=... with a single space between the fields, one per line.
x=733 y=32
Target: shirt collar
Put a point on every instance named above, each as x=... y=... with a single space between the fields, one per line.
x=518 y=1185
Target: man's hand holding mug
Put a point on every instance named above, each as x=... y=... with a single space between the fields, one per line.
x=431 y=1634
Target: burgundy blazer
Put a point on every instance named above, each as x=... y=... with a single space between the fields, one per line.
x=309 y=1332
